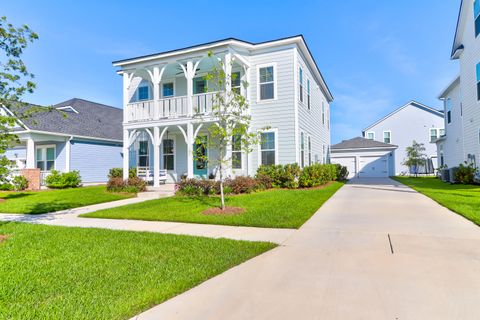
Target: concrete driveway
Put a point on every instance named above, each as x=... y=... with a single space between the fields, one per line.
x=376 y=250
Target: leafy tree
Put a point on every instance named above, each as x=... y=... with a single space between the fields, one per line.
x=230 y=109
x=15 y=82
x=415 y=156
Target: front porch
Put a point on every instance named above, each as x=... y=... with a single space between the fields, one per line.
x=165 y=154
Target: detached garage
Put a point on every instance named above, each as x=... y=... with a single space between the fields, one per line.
x=365 y=158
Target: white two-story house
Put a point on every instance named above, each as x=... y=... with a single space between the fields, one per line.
x=166 y=108
x=462 y=97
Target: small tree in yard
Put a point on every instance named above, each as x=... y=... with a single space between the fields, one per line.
x=415 y=156
x=15 y=81
x=232 y=122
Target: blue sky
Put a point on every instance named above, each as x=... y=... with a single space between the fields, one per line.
x=375 y=55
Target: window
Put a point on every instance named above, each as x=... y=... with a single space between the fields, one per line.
x=199 y=85
x=45 y=158
x=143 y=93
x=448 y=107
x=267 y=148
x=478 y=80
x=168 y=154
x=387 y=136
x=309 y=151
x=143 y=154
x=324 y=154
x=323 y=113
x=302 y=150
x=308 y=94
x=328 y=116
x=476 y=16
x=300 y=83
x=442 y=132
x=236 y=82
x=267 y=83
x=167 y=89
x=433 y=134
x=371 y=135
x=237 y=152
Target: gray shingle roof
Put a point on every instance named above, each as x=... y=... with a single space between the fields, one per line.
x=361 y=143
x=93 y=120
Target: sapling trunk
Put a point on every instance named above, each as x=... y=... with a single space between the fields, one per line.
x=222 y=196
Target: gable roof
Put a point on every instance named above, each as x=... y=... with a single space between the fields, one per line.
x=362 y=143
x=457 y=44
x=297 y=39
x=411 y=103
x=449 y=88
x=89 y=119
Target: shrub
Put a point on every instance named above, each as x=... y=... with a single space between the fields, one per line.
x=242 y=184
x=282 y=176
x=57 y=180
x=196 y=187
x=342 y=172
x=6 y=187
x=118 y=173
x=317 y=175
x=465 y=173
x=132 y=185
x=20 y=183
x=264 y=181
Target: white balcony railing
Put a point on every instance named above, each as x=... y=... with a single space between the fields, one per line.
x=170 y=108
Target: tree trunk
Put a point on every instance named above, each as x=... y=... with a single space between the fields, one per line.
x=222 y=196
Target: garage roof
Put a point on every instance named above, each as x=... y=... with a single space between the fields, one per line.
x=362 y=143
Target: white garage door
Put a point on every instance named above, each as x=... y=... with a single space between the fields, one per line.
x=373 y=167
x=348 y=162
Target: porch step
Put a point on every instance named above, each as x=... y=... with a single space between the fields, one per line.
x=168 y=187
x=165 y=190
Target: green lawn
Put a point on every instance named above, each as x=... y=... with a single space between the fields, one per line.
x=462 y=199
x=35 y=202
x=276 y=208
x=51 y=272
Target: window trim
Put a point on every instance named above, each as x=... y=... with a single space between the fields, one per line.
x=448 y=108
x=308 y=95
x=300 y=84
x=239 y=78
x=167 y=81
x=147 y=155
x=45 y=147
x=241 y=156
x=162 y=165
x=275 y=131
x=389 y=137
x=323 y=113
x=275 y=94
x=309 y=148
x=437 y=132
x=372 y=132
x=302 y=149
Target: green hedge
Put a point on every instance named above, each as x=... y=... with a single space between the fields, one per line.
x=58 y=180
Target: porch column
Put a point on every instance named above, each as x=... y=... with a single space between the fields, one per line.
x=156 y=156
x=228 y=88
x=126 y=154
x=30 y=153
x=189 y=75
x=67 y=154
x=189 y=150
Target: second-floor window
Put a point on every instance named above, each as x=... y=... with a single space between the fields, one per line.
x=167 y=89
x=267 y=83
x=237 y=152
x=308 y=94
x=371 y=135
x=387 y=136
x=448 y=107
x=478 y=80
x=300 y=83
x=434 y=134
x=143 y=93
x=236 y=82
x=476 y=16
x=199 y=85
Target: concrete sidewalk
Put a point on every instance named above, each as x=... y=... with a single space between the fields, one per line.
x=70 y=218
x=375 y=250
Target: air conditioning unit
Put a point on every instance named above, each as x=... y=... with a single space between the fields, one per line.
x=453 y=172
x=445 y=175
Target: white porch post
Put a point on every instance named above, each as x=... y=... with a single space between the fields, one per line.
x=126 y=85
x=156 y=156
x=126 y=154
x=30 y=153
x=189 y=75
x=189 y=150
x=67 y=154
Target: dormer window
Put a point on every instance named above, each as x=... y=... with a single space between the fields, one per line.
x=143 y=93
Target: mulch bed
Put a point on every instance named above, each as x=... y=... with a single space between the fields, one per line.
x=229 y=211
x=3 y=237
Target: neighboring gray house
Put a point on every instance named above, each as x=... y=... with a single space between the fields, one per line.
x=365 y=158
x=166 y=107
x=83 y=135
x=413 y=121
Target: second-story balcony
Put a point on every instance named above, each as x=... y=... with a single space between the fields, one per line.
x=170 y=108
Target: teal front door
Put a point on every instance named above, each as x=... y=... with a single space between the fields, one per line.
x=200 y=162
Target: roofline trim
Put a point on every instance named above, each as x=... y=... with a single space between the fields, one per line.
x=367 y=148
x=454 y=48
x=449 y=87
x=58 y=134
x=412 y=102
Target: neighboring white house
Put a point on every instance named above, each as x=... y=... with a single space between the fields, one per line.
x=164 y=94
x=462 y=97
x=412 y=121
x=365 y=158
